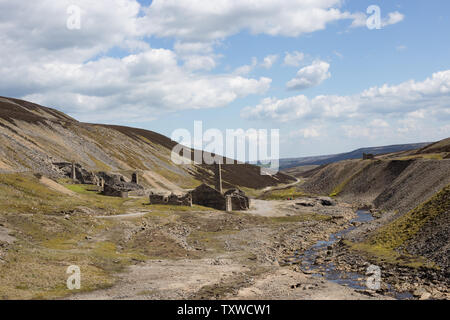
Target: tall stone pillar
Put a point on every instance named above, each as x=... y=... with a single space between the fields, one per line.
x=218 y=177
x=73 y=174
x=228 y=204
x=135 y=178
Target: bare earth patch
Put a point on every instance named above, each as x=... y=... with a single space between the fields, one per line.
x=55 y=186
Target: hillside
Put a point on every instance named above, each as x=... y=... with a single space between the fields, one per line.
x=409 y=191
x=32 y=137
x=355 y=154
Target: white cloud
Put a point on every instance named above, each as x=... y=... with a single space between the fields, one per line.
x=379 y=123
x=293 y=59
x=307 y=133
x=71 y=69
x=393 y=18
x=193 y=47
x=246 y=69
x=50 y=64
x=357 y=131
x=338 y=54
x=269 y=61
x=432 y=95
x=310 y=76
x=198 y=62
x=141 y=86
x=205 y=20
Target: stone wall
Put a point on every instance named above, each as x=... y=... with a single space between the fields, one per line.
x=206 y=196
x=114 y=192
x=368 y=156
x=172 y=199
x=77 y=173
x=239 y=200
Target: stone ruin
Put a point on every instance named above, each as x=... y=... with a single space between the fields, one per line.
x=115 y=185
x=207 y=196
x=109 y=184
x=77 y=173
x=234 y=199
x=204 y=195
x=368 y=156
x=231 y=200
x=172 y=199
x=239 y=201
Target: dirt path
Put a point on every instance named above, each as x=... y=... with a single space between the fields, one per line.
x=282 y=187
x=125 y=216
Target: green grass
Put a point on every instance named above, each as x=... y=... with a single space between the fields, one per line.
x=36 y=263
x=338 y=189
x=283 y=194
x=435 y=156
x=47 y=242
x=24 y=193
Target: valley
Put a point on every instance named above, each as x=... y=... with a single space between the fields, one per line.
x=310 y=233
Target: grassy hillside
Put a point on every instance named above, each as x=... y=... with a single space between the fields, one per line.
x=32 y=137
x=415 y=237
x=412 y=193
x=43 y=231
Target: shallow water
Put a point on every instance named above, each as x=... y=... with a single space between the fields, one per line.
x=328 y=269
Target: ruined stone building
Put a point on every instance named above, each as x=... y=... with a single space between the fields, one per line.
x=77 y=173
x=115 y=185
x=368 y=156
x=172 y=199
x=207 y=196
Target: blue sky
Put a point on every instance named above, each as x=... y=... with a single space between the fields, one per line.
x=162 y=65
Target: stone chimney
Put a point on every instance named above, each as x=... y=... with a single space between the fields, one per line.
x=218 y=177
x=135 y=178
x=73 y=174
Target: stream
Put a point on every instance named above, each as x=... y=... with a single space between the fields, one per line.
x=327 y=269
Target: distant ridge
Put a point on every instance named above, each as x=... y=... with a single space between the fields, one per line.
x=355 y=154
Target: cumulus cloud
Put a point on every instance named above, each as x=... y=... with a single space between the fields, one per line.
x=310 y=76
x=246 y=69
x=73 y=70
x=293 y=59
x=147 y=84
x=314 y=131
x=410 y=97
x=206 y=20
x=76 y=69
x=392 y=18
x=269 y=61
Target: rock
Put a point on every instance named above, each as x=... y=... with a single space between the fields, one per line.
x=305 y=203
x=425 y=296
x=326 y=201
